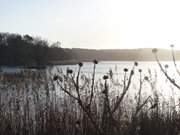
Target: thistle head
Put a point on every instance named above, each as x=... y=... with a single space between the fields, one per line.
x=95 y=61
x=132 y=72
x=80 y=64
x=154 y=50
x=55 y=78
x=146 y=78
x=166 y=66
x=135 y=63
x=125 y=70
x=69 y=71
x=140 y=70
x=105 y=77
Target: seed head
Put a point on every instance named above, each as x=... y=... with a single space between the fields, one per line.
x=155 y=50
x=132 y=72
x=69 y=71
x=140 y=70
x=105 y=77
x=80 y=64
x=135 y=63
x=95 y=61
x=56 y=77
x=166 y=66
x=146 y=78
x=125 y=70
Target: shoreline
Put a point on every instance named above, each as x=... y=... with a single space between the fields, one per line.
x=74 y=62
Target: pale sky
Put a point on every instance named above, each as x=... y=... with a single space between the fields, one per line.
x=99 y=24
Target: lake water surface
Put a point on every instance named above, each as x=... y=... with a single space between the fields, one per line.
x=149 y=69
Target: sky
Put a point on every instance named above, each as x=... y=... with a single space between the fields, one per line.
x=98 y=24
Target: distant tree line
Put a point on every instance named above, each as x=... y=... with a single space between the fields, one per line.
x=139 y=54
x=25 y=50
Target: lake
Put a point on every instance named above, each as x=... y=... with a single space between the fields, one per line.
x=149 y=69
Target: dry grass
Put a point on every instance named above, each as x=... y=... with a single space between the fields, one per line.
x=34 y=103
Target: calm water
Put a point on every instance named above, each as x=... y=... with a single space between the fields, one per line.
x=116 y=66
x=150 y=69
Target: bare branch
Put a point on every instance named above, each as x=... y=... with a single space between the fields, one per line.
x=124 y=92
x=165 y=73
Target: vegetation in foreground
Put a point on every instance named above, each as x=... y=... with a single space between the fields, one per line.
x=35 y=103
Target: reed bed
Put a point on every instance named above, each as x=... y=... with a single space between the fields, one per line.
x=69 y=103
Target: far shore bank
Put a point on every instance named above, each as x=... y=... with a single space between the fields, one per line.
x=72 y=62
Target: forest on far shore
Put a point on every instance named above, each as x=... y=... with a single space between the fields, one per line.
x=25 y=50
x=18 y=50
